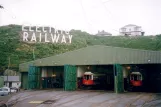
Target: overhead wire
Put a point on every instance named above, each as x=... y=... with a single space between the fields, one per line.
x=9 y=13
x=105 y=8
x=13 y=16
x=107 y=1
x=83 y=10
x=85 y=16
x=107 y=11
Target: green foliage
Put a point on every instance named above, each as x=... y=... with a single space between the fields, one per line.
x=20 y=52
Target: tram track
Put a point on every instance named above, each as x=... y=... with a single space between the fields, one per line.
x=20 y=99
x=58 y=105
x=60 y=97
x=12 y=103
x=151 y=100
x=16 y=100
x=131 y=103
x=70 y=98
x=56 y=97
x=139 y=98
x=106 y=102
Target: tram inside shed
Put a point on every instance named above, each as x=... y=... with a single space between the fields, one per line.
x=97 y=77
x=143 y=78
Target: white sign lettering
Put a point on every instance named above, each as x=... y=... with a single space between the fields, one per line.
x=40 y=37
x=46 y=40
x=63 y=39
x=70 y=38
x=23 y=28
x=25 y=36
x=33 y=38
x=45 y=34
x=55 y=38
x=36 y=29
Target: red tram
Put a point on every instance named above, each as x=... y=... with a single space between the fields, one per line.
x=93 y=79
x=136 y=79
x=88 y=78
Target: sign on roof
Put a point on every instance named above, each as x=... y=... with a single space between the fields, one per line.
x=35 y=34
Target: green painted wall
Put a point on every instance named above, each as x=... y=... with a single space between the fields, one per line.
x=119 y=81
x=24 y=80
x=1 y=82
x=70 y=76
x=34 y=77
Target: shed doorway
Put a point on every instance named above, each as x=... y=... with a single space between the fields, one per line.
x=95 y=77
x=144 y=78
x=52 y=77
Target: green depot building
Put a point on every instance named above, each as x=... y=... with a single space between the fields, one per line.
x=66 y=70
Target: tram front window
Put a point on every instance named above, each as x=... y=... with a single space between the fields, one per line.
x=87 y=77
x=135 y=77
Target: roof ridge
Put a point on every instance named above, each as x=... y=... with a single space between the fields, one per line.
x=125 y=48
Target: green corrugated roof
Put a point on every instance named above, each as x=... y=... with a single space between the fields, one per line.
x=93 y=55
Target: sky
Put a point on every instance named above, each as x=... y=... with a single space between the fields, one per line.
x=86 y=15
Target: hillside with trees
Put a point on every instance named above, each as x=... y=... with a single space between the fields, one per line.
x=13 y=51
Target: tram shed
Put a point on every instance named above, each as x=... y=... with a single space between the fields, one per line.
x=67 y=69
